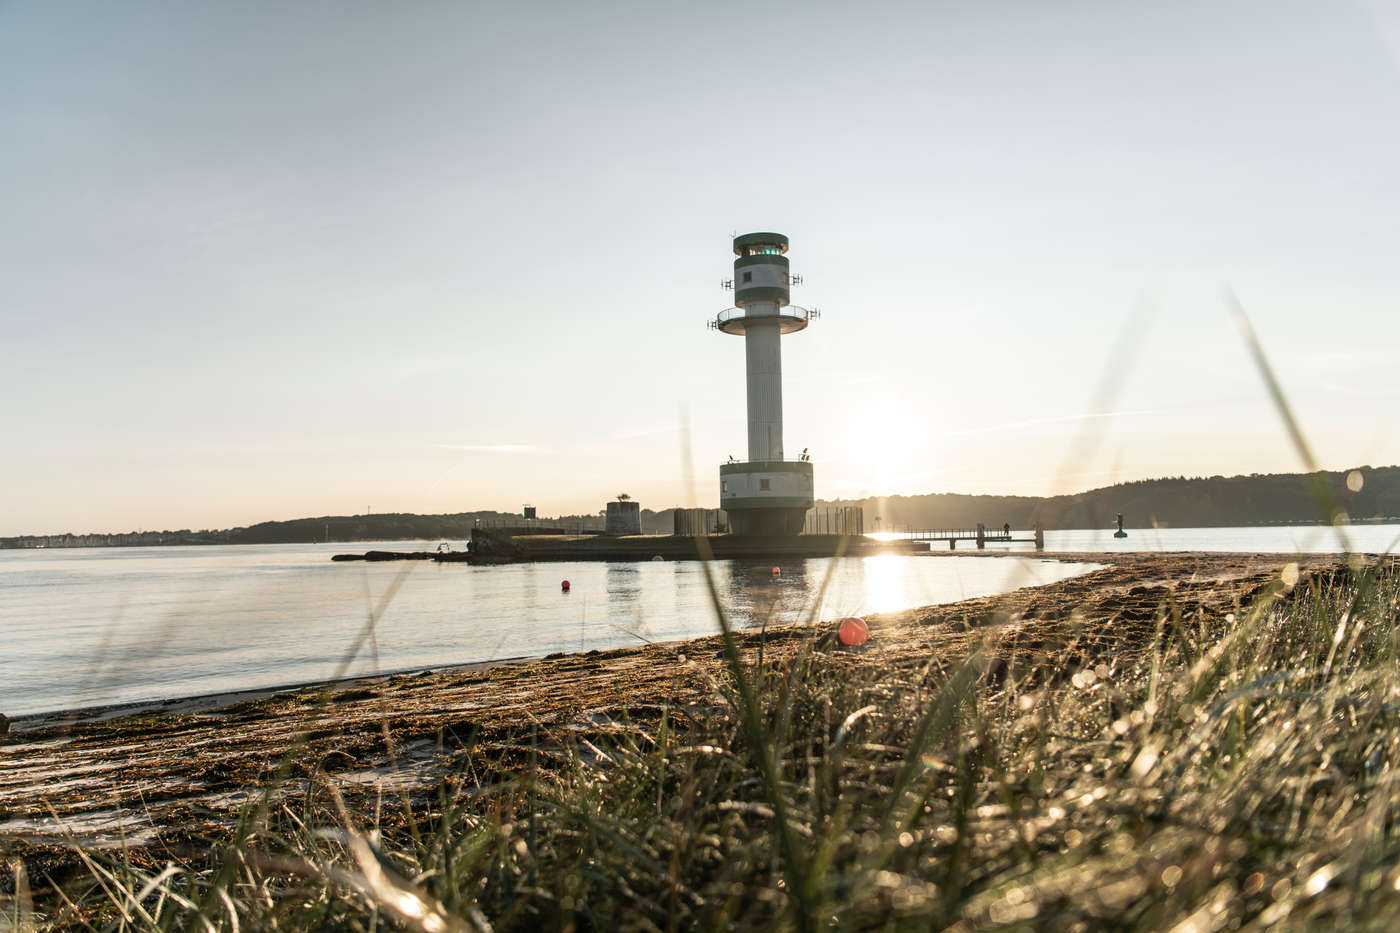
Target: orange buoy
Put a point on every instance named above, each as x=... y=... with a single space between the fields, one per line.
x=853 y=631
x=564 y=586
x=777 y=572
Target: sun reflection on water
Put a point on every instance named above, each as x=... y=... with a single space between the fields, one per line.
x=886 y=585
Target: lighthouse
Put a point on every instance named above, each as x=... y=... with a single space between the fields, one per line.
x=767 y=493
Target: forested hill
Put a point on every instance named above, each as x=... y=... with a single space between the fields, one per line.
x=389 y=526
x=1174 y=502
x=1178 y=502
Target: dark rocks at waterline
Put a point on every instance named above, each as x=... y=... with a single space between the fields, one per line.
x=442 y=557
x=4 y=724
x=386 y=555
x=494 y=546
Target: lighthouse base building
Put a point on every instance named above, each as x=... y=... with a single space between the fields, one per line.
x=766 y=497
x=767 y=493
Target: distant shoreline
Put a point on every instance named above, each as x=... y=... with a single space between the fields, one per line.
x=7 y=544
x=1369 y=495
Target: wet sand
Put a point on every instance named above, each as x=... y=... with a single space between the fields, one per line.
x=171 y=778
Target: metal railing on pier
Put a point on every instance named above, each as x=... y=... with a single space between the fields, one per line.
x=540 y=526
x=980 y=535
x=698 y=523
x=835 y=520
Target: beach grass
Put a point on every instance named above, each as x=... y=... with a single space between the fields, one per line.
x=1228 y=770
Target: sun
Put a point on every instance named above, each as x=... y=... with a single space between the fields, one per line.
x=882 y=445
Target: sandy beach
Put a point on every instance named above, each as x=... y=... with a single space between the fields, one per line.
x=168 y=780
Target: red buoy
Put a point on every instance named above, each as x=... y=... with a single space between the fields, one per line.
x=853 y=631
x=777 y=572
x=564 y=586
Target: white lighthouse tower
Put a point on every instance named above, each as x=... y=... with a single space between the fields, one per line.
x=766 y=494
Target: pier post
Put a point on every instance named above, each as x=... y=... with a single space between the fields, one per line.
x=981 y=537
x=1039 y=536
x=952 y=544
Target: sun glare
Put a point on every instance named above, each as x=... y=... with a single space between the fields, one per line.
x=885 y=583
x=881 y=445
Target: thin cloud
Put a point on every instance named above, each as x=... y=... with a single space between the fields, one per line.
x=1016 y=425
x=491 y=448
x=648 y=431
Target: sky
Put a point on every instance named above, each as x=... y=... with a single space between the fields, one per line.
x=265 y=260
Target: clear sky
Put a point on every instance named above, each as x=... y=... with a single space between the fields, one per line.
x=269 y=260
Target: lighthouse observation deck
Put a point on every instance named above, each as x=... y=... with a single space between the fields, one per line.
x=790 y=319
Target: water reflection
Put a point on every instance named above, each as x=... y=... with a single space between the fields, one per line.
x=276 y=614
x=754 y=597
x=623 y=586
x=822 y=588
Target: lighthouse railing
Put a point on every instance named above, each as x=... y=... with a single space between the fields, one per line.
x=797 y=312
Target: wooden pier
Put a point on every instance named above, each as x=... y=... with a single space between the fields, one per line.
x=980 y=535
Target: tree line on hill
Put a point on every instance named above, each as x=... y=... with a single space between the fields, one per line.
x=1180 y=502
x=391 y=526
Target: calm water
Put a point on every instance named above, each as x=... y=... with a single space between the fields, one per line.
x=89 y=626
x=1292 y=539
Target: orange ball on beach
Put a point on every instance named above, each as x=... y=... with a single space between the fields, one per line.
x=777 y=572
x=564 y=586
x=853 y=631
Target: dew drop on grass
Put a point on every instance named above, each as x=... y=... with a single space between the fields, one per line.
x=1145 y=761
x=1320 y=880
x=1171 y=875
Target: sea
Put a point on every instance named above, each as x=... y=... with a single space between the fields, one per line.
x=85 y=627
x=81 y=627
